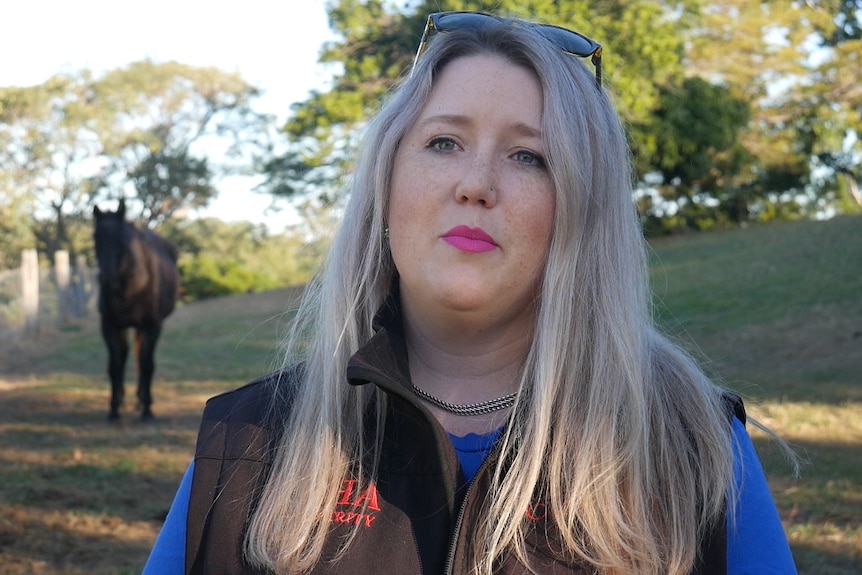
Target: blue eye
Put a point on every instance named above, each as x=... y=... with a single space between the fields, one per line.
x=442 y=144
x=529 y=158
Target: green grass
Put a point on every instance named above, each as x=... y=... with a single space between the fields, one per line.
x=774 y=311
x=80 y=496
x=729 y=280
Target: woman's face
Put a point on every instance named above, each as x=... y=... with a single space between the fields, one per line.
x=472 y=202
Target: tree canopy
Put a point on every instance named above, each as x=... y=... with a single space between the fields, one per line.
x=777 y=95
x=145 y=131
x=736 y=111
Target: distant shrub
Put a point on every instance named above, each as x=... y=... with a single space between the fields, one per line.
x=203 y=276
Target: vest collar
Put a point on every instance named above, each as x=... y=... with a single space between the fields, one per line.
x=383 y=359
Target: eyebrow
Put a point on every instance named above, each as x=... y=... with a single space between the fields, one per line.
x=459 y=120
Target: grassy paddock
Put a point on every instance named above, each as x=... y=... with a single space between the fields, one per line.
x=774 y=311
x=79 y=496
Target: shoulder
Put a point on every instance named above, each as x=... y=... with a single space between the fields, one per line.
x=250 y=416
x=733 y=405
x=248 y=401
x=234 y=451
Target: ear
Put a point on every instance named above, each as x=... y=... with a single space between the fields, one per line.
x=122 y=209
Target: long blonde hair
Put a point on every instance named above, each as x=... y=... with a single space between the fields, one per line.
x=628 y=438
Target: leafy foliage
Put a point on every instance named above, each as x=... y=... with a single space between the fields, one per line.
x=138 y=131
x=167 y=182
x=693 y=146
x=783 y=95
x=377 y=45
x=796 y=62
x=15 y=232
x=736 y=111
x=165 y=117
x=219 y=258
x=46 y=133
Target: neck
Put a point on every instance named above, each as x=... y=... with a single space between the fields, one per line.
x=464 y=366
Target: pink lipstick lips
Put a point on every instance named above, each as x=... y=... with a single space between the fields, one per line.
x=472 y=240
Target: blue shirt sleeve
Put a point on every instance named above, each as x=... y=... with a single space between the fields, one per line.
x=169 y=553
x=756 y=543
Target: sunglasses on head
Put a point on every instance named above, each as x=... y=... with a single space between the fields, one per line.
x=567 y=40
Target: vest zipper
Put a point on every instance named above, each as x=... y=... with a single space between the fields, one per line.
x=453 y=545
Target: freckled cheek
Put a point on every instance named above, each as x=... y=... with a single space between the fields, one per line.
x=414 y=204
x=533 y=222
x=535 y=228
x=403 y=231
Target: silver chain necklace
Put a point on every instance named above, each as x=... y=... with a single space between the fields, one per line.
x=480 y=408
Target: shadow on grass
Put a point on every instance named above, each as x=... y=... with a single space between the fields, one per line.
x=824 y=558
x=55 y=542
x=820 y=509
x=79 y=495
x=808 y=356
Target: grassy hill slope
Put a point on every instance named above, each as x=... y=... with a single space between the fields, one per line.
x=775 y=311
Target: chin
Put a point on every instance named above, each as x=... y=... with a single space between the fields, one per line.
x=465 y=298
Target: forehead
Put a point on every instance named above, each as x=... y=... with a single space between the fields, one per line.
x=108 y=220
x=486 y=84
x=477 y=69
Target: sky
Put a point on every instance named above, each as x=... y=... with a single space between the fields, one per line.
x=272 y=45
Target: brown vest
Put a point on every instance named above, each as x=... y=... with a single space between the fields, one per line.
x=417 y=516
x=406 y=518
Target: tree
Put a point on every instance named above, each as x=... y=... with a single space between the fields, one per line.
x=167 y=182
x=15 y=231
x=219 y=258
x=161 y=132
x=695 y=151
x=376 y=46
x=48 y=150
x=798 y=64
x=644 y=49
x=831 y=123
x=173 y=130
x=847 y=21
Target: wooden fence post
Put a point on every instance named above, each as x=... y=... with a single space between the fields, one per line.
x=82 y=287
x=62 y=276
x=30 y=290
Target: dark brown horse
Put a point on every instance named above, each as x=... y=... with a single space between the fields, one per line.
x=138 y=286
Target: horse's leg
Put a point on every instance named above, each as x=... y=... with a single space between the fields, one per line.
x=145 y=348
x=118 y=351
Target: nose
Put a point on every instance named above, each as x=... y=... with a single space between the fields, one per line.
x=477 y=184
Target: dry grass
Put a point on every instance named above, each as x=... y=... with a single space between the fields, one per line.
x=79 y=496
x=776 y=310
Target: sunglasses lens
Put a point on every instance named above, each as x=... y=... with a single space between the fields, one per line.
x=449 y=21
x=568 y=40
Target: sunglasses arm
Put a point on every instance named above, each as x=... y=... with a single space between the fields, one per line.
x=597 y=62
x=423 y=43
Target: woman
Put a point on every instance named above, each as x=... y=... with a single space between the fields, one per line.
x=482 y=388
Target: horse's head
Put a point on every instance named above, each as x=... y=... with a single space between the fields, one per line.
x=111 y=234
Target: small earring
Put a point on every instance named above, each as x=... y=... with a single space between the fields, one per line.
x=386 y=233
